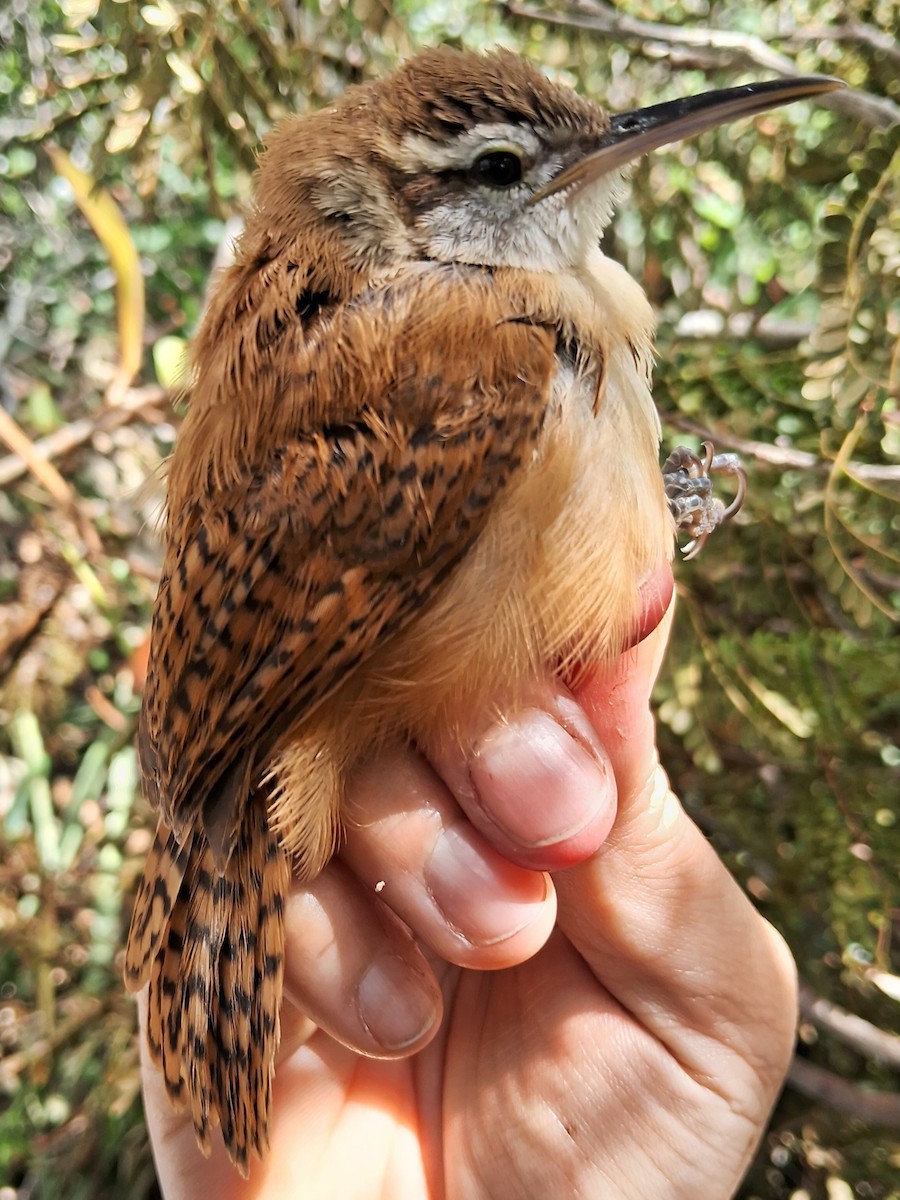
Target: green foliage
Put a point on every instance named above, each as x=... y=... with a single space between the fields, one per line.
x=772 y=252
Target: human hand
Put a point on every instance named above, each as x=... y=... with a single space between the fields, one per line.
x=636 y=1040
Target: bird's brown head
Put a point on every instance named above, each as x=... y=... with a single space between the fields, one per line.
x=434 y=162
x=468 y=158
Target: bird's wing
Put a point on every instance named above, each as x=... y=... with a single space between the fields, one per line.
x=275 y=588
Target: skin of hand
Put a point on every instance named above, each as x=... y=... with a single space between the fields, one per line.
x=586 y=1006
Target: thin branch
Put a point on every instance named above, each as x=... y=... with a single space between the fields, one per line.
x=862 y=1036
x=42 y=469
x=877 y=1108
x=44 y=1048
x=885 y=982
x=62 y=441
x=730 y=49
x=24 y=450
x=867 y=35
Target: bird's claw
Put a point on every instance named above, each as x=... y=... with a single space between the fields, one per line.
x=689 y=492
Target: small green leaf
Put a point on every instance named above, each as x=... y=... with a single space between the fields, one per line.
x=719 y=211
x=170 y=360
x=43 y=414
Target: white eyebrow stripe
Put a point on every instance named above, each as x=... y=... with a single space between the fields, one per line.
x=417 y=151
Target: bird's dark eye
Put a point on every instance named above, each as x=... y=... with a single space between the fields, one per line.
x=498 y=168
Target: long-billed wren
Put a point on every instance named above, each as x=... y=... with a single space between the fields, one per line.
x=419 y=466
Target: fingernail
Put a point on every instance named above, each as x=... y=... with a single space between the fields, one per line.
x=394 y=1004
x=485 y=898
x=539 y=784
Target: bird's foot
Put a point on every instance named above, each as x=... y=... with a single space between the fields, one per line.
x=689 y=492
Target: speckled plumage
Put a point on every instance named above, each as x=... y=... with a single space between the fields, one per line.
x=419 y=465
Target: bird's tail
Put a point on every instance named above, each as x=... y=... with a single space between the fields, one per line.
x=211 y=946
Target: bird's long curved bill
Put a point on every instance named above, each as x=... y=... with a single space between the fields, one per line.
x=633 y=134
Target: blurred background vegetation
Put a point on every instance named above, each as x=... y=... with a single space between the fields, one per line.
x=771 y=250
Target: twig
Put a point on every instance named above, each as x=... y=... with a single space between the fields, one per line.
x=877 y=1108
x=730 y=49
x=853 y=1031
x=886 y=983
x=62 y=441
x=783 y=456
x=868 y=35
x=62 y=494
x=41 y=468
x=44 y=1048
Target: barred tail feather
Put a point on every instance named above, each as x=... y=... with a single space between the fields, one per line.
x=216 y=982
x=245 y=1036
x=157 y=893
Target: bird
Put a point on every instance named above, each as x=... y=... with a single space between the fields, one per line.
x=419 y=466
